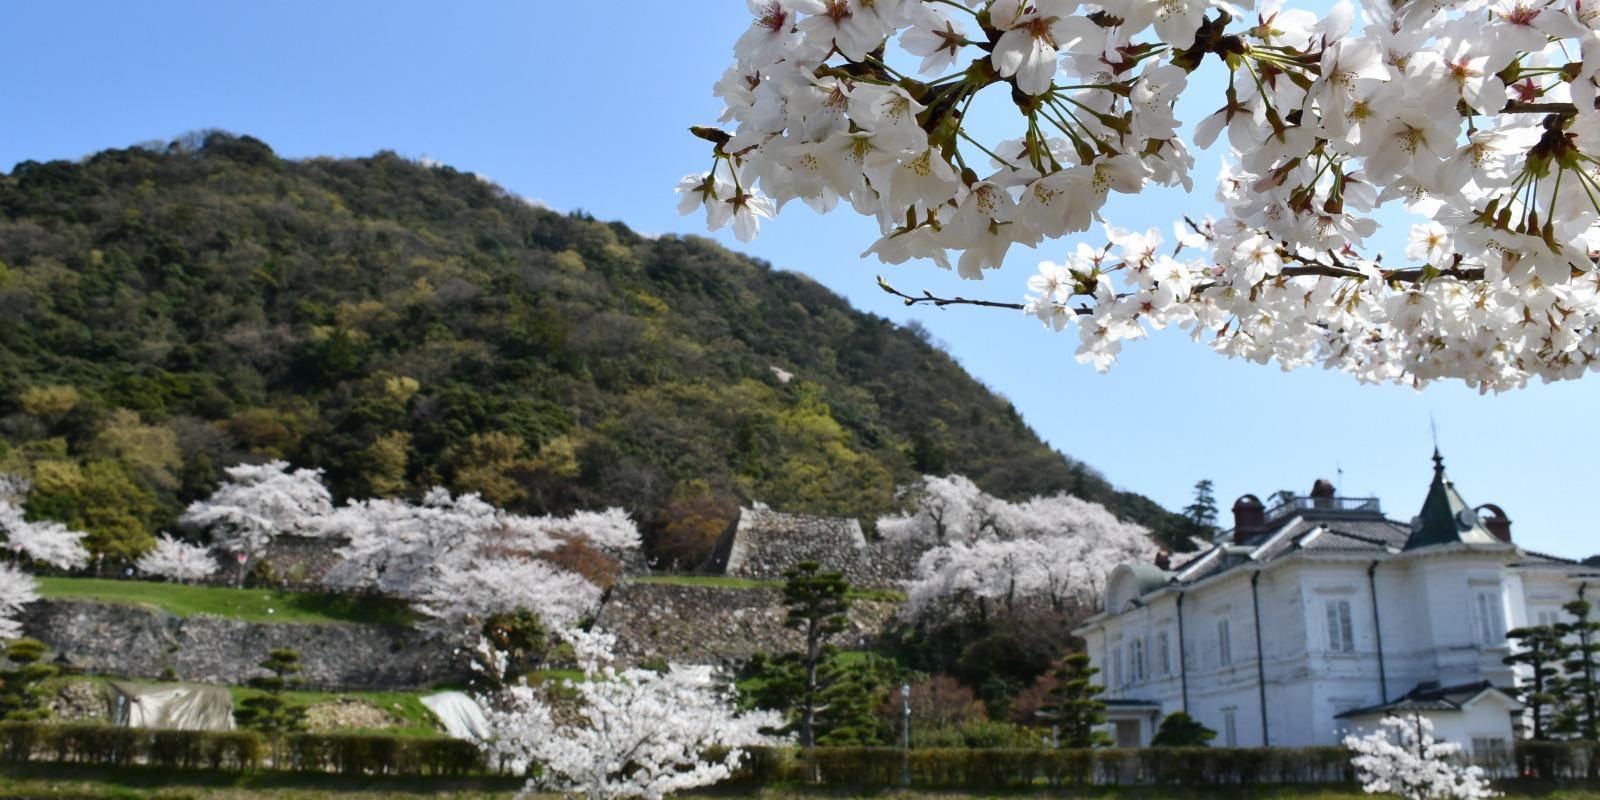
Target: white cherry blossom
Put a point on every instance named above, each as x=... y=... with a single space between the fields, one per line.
x=1474 y=117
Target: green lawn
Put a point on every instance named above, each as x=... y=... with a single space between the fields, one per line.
x=417 y=719
x=249 y=605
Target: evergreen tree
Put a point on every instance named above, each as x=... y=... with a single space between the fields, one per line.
x=817 y=606
x=1542 y=650
x=851 y=692
x=1181 y=730
x=1202 y=513
x=1076 y=709
x=271 y=712
x=22 y=695
x=1583 y=670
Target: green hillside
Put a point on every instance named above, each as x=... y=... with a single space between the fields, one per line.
x=166 y=311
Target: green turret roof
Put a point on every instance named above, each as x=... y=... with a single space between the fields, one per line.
x=1445 y=517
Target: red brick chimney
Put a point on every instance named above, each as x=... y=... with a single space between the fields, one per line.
x=1249 y=518
x=1496 y=521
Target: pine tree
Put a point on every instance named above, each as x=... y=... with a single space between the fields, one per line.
x=817 y=604
x=1583 y=669
x=1076 y=709
x=850 y=693
x=271 y=712
x=1542 y=650
x=1202 y=513
x=22 y=695
x=1181 y=730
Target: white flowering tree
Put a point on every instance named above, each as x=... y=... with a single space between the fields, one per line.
x=461 y=560
x=17 y=589
x=1403 y=758
x=177 y=560
x=1056 y=550
x=50 y=542
x=258 y=502
x=1474 y=117
x=623 y=733
x=943 y=510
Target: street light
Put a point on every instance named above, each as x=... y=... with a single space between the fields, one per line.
x=905 y=761
x=242 y=558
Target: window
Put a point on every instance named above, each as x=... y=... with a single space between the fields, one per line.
x=1163 y=654
x=1549 y=617
x=1116 y=667
x=1341 y=638
x=1230 y=729
x=1490 y=751
x=1136 y=664
x=1224 y=643
x=1491 y=619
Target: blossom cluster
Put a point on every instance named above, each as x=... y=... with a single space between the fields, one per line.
x=177 y=559
x=1403 y=758
x=459 y=559
x=980 y=549
x=1475 y=115
x=49 y=542
x=622 y=732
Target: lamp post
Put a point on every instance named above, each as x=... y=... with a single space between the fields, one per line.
x=242 y=558
x=99 y=559
x=905 y=761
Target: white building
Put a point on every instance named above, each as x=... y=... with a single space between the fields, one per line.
x=1320 y=614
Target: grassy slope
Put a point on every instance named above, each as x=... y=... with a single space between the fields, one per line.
x=249 y=605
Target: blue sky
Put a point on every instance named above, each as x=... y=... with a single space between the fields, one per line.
x=585 y=106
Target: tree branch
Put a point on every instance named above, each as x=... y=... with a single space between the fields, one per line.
x=941 y=302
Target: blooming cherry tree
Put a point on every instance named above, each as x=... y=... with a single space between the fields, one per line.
x=623 y=733
x=50 y=542
x=1052 y=549
x=17 y=589
x=461 y=560
x=1476 y=117
x=1402 y=758
x=178 y=560
x=260 y=501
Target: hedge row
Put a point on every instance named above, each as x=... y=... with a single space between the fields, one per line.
x=856 y=767
x=238 y=751
x=999 y=768
x=1568 y=759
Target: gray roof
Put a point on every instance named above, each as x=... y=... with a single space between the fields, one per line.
x=1431 y=697
x=1306 y=531
x=1345 y=525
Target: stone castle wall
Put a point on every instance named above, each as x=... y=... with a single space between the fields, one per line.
x=717 y=625
x=763 y=543
x=145 y=643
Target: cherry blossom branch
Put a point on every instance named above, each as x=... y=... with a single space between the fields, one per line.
x=941 y=302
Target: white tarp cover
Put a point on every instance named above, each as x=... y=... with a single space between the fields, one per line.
x=460 y=714
x=170 y=706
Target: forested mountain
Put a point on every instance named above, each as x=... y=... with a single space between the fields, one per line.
x=166 y=311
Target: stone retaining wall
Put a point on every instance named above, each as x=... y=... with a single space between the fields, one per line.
x=716 y=625
x=763 y=543
x=145 y=643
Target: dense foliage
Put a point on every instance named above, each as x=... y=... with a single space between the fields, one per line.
x=168 y=311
